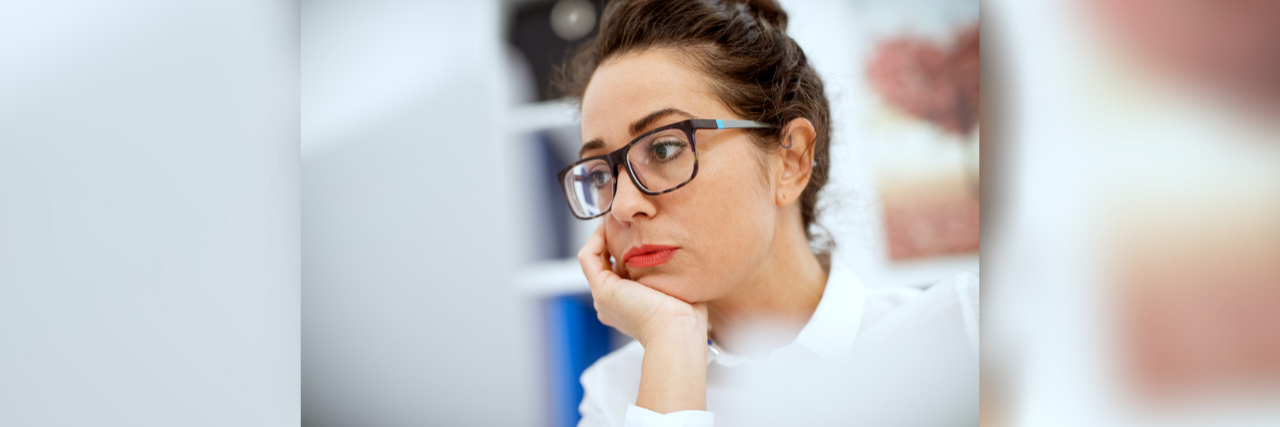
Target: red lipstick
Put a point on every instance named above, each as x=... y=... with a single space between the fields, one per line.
x=648 y=255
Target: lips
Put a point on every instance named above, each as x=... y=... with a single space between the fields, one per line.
x=649 y=255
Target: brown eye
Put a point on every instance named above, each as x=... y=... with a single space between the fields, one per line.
x=600 y=179
x=666 y=150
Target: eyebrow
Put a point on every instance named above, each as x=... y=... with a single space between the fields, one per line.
x=636 y=127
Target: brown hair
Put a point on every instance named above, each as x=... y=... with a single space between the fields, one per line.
x=755 y=67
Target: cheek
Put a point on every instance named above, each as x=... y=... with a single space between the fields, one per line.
x=616 y=240
x=742 y=218
x=730 y=213
x=726 y=218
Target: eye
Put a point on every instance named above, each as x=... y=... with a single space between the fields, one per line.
x=663 y=151
x=600 y=179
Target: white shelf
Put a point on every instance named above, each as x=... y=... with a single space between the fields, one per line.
x=926 y=272
x=541 y=116
x=554 y=277
x=551 y=278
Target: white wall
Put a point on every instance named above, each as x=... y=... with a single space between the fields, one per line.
x=149 y=268
x=409 y=318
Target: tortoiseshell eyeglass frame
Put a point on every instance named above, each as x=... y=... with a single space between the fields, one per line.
x=619 y=157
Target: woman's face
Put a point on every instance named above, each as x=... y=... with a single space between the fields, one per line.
x=722 y=222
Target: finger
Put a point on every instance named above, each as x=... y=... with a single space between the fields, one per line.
x=604 y=241
x=619 y=268
x=605 y=257
x=589 y=257
x=594 y=259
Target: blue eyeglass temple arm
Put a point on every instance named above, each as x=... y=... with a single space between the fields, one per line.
x=727 y=124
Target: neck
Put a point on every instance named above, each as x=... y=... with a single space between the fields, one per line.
x=774 y=301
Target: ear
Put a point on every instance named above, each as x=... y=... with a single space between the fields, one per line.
x=797 y=161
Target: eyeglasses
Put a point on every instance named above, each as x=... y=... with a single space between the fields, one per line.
x=658 y=162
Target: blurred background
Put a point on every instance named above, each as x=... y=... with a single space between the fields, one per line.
x=441 y=285
x=149 y=205
x=1133 y=203
x=174 y=251
x=1134 y=261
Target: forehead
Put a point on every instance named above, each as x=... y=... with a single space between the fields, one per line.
x=626 y=88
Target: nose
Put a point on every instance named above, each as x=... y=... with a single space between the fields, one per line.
x=629 y=203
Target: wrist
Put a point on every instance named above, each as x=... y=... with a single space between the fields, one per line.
x=676 y=331
x=688 y=344
x=673 y=374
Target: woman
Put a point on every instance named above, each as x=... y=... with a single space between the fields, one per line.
x=707 y=143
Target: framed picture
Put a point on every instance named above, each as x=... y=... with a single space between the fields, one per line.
x=921 y=69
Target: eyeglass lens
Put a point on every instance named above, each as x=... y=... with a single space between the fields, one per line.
x=660 y=162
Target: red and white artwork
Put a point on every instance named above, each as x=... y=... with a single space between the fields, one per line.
x=924 y=124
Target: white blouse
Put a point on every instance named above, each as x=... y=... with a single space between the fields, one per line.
x=868 y=356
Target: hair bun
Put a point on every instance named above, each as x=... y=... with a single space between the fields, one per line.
x=766 y=11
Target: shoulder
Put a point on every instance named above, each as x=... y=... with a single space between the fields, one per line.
x=921 y=352
x=618 y=366
x=948 y=307
x=610 y=385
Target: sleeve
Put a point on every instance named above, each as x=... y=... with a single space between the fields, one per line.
x=592 y=408
x=641 y=417
x=594 y=414
x=602 y=405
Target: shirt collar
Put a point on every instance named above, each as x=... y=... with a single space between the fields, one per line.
x=831 y=329
x=834 y=324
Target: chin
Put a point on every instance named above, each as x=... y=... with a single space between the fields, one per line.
x=671 y=284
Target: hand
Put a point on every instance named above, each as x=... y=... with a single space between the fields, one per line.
x=673 y=374
x=639 y=311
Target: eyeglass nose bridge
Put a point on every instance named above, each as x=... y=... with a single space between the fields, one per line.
x=638 y=189
x=621 y=158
